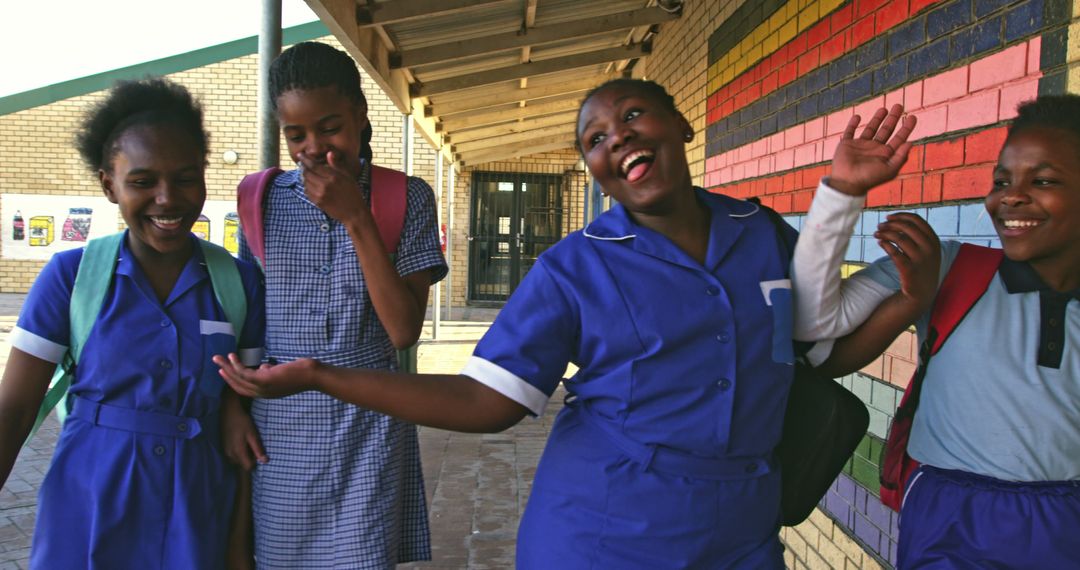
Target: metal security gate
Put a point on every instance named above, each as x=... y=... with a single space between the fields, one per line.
x=515 y=218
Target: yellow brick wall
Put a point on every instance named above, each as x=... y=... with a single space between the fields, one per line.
x=820 y=544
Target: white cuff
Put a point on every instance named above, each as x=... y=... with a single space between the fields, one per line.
x=506 y=383
x=37 y=346
x=251 y=356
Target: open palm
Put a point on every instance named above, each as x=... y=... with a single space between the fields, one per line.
x=876 y=155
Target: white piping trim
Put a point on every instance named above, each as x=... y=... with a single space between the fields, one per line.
x=506 y=383
x=910 y=486
x=756 y=208
x=586 y=233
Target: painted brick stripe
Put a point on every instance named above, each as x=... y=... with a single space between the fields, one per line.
x=881 y=65
x=741 y=24
x=982 y=93
x=837 y=34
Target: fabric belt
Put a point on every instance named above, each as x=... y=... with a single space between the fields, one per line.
x=672 y=461
x=139 y=421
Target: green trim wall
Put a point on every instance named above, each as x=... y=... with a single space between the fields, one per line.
x=172 y=64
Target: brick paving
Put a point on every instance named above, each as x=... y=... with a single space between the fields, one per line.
x=477 y=484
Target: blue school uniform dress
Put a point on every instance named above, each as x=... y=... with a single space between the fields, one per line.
x=138 y=479
x=343 y=487
x=663 y=457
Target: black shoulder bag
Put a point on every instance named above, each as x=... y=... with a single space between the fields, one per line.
x=823 y=424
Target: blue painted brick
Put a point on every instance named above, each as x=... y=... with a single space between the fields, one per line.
x=753 y=131
x=860 y=498
x=786 y=117
x=984 y=7
x=808 y=107
x=739 y=137
x=817 y=80
x=867 y=533
x=1054 y=50
x=1024 y=20
x=945 y=220
x=846 y=489
x=713 y=148
x=768 y=125
x=879 y=516
x=974 y=221
x=728 y=142
x=892 y=553
x=929 y=59
x=907 y=37
x=977 y=39
x=712 y=132
x=868 y=222
x=854 y=250
x=758 y=108
x=892 y=75
x=795 y=90
x=859 y=87
x=794 y=221
x=777 y=99
x=871 y=53
x=842 y=68
x=949 y=17
x=832 y=99
x=995 y=243
x=838 y=508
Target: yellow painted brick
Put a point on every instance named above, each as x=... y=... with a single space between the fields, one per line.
x=777 y=20
x=833 y=554
x=808 y=17
x=822 y=522
x=816 y=562
x=759 y=33
x=795 y=543
x=1074 y=41
x=789 y=31
x=771 y=43
x=867 y=563
x=1074 y=79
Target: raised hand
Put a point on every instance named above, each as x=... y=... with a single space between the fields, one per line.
x=268 y=381
x=872 y=158
x=916 y=251
x=333 y=188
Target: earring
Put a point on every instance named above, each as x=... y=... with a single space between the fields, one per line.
x=688 y=136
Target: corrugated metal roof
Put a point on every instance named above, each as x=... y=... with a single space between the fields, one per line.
x=494 y=79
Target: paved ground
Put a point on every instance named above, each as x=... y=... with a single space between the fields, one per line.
x=477 y=485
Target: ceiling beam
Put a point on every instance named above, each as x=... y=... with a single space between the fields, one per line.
x=516 y=151
x=501 y=116
x=378 y=14
x=541 y=67
x=565 y=130
x=531 y=37
x=513 y=95
x=469 y=135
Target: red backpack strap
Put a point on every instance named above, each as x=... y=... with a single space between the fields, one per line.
x=250 y=194
x=968 y=278
x=389 y=196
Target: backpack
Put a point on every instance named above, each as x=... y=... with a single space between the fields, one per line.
x=967 y=280
x=387 y=206
x=92 y=282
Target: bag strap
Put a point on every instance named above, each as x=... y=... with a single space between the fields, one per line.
x=228 y=287
x=250 y=195
x=389 y=198
x=92 y=280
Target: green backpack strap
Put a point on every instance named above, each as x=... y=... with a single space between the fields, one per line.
x=87 y=295
x=228 y=287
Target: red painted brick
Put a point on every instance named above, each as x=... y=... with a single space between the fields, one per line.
x=894 y=98
x=914 y=160
x=834 y=47
x=861 y=32
x=767 y=201
x=874 y=368
x=769 y=83
x=754 y=92
x=782 y=203
x=917 y=5
x=788 y=73
x=944 y=154
x=877 y=197
x=997 y=69
x=727 y=107
x=974 y=111
x=945 y=86
x=788 y=182
x=814 y=175
x=913 y=96
x=864 y=7
x=837 y=122
x=895 y=190
x=984 y=146
x=808 y=61
x=797 y=46
x=894 y=12
x=818 y=33
x=814 y=129
x=967 y=183
x=911 y=190
x=800 y=201
x=841 y=17
x=785 y=160
x=931 y=122
x=931 y=190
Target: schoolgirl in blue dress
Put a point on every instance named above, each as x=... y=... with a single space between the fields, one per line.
x=676 y=309
x=128 y=487
x=996 y=428
x=342 y=485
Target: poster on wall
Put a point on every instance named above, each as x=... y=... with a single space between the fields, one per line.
x=36 y=226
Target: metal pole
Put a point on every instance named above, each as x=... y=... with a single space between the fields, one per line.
x=437 y=313
x=269 y=48
x=450 y=244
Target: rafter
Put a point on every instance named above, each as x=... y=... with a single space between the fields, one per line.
x=378 y=14
x=469 y=135
x=503 y=115
x=532 y=36
x=565 y=130
x=512 y=95
x=526 y=148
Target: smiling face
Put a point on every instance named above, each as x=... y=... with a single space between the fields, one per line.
x=1035 y=201
x=157 y=179
x=322 y=120
x=633 y=145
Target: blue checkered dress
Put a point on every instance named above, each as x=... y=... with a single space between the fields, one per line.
x=343 y=488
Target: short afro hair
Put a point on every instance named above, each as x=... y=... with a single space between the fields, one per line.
x=150 y=101
x=1053 y=111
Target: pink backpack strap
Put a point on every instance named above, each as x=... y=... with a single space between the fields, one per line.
x=389 y=197
x=250 y=195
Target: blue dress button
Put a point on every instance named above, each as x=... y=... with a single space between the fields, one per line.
x=724 y=384
x=165 y=322
x=166 y=364
x=723 y=338
x=712 y=291
x=324 y=227
x=181 y=427
x=751 y=468
x=325 y=269
x=159 y=450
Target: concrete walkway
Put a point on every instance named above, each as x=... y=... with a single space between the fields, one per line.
x=477 y=485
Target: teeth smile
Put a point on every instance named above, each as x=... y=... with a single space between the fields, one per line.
x=1016 y=224
x=624 y=167
x=161 y=220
